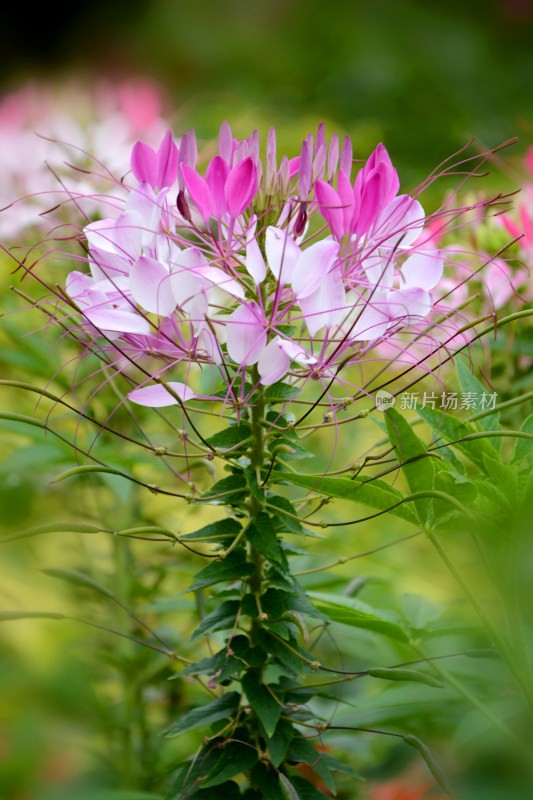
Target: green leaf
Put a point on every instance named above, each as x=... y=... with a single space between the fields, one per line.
x=89 y=469
x=302 y=751
x=262 y=701
x=230 y=437
x=255 y=490
x=353 y=612
x=222 y=617
x=306 y=790
x=234 y=488
x=435 y=769
x=261 y=534
x=288 y=790
x=57 y=527
x=397 y=674
x=220 y=708
x=366 y=490
x=411 y=453
x=523 y=447
x=469 y=383
x=226 y=528
x=236 y=757
x=118 y=794
x=284 y=522
x=233 y=567
x=280 y=393
x=279 y=742
x=285 y=653
x=452 y=429
x=78 y=579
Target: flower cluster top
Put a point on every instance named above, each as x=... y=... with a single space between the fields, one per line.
x=282 y=269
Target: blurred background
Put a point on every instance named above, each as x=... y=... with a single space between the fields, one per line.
x=421 y=77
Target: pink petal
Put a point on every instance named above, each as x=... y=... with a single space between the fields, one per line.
x=241 y=186
x=167 y=162
x=330 y=206
x=150 y=286
x=245 y=334
x=198 y=190
x=157 y=396
x=115 y=319
x=144 y=163
x=282 y=253
x=216 y=176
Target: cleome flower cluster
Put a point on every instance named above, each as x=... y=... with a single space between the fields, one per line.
x=287 y=268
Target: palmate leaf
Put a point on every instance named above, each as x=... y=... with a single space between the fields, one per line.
x=353 y=612
x=469 y=383
x=222 y=617
x=452 y=429
x=233 y=567
x=218 y=531
x=370 y=492
x=260 y=532
x=411 y=453
x=220 y=708
x=263 y=700
x=235 y=757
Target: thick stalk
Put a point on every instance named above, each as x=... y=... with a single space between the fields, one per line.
x=256 y=457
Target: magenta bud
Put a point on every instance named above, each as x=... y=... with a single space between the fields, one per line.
x=183 y=206
x=320 y=138
x=333 y=157
x=305 y=167
x=301 y=220
x=284 y=176
x=347 y=156
x=271 y=160
x=319 y=163
x=225 y=142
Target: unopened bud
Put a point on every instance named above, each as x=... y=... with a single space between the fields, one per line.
x=183 y=206
x=301 y=220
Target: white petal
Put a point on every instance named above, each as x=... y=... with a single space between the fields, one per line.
x=407 y=304
x=245 y=334
x=422 y=270
x=313 y=266
x=327 y=305
x=273 y=362
x=282 y=253
x=150 y=286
